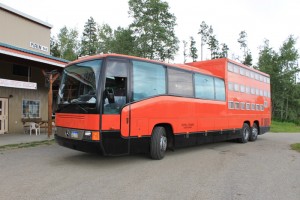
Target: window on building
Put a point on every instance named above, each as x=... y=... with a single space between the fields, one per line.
x=148 y=80
x=252 y=75
x=247 y=106
x=242 y=71
x=230 y=105
x=236 y=69
x=230 y=86
x=242 y=104
x=257 y=107
x=219 y=89
x=247 y=90
x=20 y=70
x=261 y=92
x=247 y=73
x=236 y=87
x=252 y=106
x=237 y=105
x=204 y=86
x=230 y=67
x=257 y=91
x=180 y=82
x=242 y=88
x=31 y=108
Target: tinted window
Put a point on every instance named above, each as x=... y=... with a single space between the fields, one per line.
x=220 y=89
x=180 y=82
x=204 y=86
x=148 y=80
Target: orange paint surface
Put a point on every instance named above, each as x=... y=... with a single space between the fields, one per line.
x=78 y=121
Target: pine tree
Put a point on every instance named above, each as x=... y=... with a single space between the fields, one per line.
x=193 y=49
x=89 y=42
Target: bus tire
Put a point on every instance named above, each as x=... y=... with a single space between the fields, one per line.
x=159 y=143
x=254 y=133
x=245 y=133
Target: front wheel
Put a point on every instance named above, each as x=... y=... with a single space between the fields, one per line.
x=159 y=143
x=254 y=133
x=245 y=133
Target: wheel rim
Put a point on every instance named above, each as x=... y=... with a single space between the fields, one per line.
x=163 y=143
x=254 y=132
x=246 y=133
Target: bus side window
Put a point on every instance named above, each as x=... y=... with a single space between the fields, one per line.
x=149 y=79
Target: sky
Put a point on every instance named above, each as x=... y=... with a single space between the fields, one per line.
x=274 y=20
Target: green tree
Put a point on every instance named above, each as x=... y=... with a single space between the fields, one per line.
x=89 y=41
x=105 y=36
x=123 y=42
x=193 y=49
x=247 y=57
x=204 y=32
x=153 y=28
x=213 y=45
x=68 y=43
x=184 y=51
x=224 y=51
x=282 y=67
x=54 y=47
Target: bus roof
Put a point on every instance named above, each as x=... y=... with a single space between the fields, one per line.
x=180 y=66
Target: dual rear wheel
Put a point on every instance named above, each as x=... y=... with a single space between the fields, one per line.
x=248 y=134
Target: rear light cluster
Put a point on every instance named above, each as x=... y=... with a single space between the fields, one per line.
x=92 y=135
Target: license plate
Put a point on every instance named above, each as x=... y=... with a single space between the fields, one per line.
x=74 y=134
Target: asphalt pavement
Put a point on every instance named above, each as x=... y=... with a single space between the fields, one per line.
x=266 y=169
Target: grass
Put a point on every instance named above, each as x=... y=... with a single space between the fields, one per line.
x=285 y=127
x=296 y=147
x=26 y=145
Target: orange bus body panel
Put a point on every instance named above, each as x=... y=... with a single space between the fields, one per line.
x=110 y=122
x=185 y=115
x=78 y=121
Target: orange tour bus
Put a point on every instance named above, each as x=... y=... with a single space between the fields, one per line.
x=116 y=104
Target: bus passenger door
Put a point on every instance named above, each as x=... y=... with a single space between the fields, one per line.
x=115 y=97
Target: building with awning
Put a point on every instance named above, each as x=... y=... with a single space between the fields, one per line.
x=24 y=56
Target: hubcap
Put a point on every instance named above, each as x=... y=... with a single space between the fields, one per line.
x=246 y=133
x=163 y=143
x=254 y=132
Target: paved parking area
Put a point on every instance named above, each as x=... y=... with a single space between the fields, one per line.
x=265 y=169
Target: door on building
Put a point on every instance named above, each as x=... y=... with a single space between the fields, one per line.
x=3 y=115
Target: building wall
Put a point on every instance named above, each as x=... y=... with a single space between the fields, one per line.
x=18 y=31
x=16 y=96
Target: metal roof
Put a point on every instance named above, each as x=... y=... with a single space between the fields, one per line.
x=21 y=50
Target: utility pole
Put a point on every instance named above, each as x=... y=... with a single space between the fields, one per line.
x=51 y=77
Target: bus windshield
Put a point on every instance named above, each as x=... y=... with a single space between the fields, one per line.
x=79 y=83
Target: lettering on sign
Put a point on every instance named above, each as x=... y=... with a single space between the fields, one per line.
x=188 y=125
x=38 y=46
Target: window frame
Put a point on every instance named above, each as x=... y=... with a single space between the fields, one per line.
x=27 y=114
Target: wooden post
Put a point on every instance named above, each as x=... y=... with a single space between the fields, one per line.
x=52 y=77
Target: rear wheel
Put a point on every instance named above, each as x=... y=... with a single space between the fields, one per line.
x=159 y=143
x=254 y=133
x=245 y=133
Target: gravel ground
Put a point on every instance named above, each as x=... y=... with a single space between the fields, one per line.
x=265 y=169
